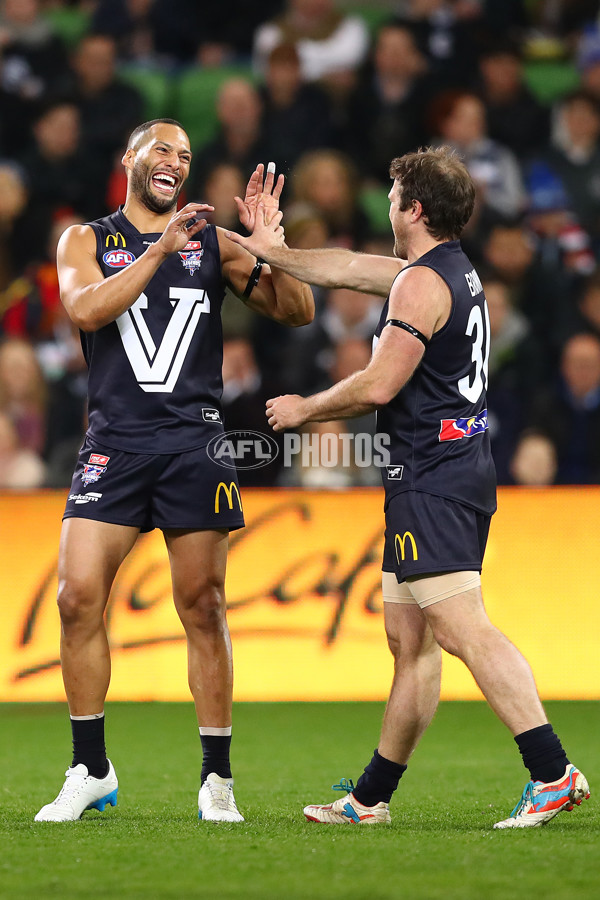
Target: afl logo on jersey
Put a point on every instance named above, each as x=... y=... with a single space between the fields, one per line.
x=118 y=259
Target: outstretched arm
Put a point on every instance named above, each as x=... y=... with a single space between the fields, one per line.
x=330 y=268
x=395 y=359
x=420 y=298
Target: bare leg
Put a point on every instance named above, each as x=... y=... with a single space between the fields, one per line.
x=90 y=554
x=416 y=686
x=461 y=626
x=198 y=562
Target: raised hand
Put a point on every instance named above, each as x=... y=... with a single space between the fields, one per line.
x=183 y=226
x=267 y=233
x=263 y=190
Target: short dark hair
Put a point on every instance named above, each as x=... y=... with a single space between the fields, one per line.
x=440 y=182
x=146 y=126
x=500 y=46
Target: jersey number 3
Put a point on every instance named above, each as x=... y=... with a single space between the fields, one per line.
x=157 y=368
x=480 y=354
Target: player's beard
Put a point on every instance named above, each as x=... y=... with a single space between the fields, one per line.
x=140 y=187
x=400 y=248
x=400 y=242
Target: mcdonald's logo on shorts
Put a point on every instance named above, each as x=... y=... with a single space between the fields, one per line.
x=115 y=239
x=400 y=542
x=229 y=494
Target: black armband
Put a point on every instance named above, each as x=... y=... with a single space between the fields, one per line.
x=254 y=276
x=414 y=331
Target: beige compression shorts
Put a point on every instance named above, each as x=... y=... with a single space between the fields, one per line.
x=425 y=590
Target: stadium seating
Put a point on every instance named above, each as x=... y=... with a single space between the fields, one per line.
x=155 y=86
x=194 y=103
x=374 y=202
x=549 y=80
x=69 y=23
x=373 y=15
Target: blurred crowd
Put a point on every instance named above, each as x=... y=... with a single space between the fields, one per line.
x=331 y=90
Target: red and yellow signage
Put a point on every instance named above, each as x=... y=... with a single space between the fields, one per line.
x=304 y=597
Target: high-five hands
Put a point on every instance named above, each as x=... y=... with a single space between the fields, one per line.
x=261 y=190
x=267 y=233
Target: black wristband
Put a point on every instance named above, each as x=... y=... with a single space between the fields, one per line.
x=254 y=276
x=411 y=330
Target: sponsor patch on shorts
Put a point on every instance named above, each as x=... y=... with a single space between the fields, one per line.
x=394 y=473
x=90 y=497
x=98 y=459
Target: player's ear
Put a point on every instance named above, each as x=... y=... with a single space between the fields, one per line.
x=128 y=157
x=417 y=210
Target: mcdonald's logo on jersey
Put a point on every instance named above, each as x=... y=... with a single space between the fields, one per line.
x=229 y=494
x=115 y=239
x=400 y=542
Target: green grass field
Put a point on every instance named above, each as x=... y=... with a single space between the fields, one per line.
x=465 y=775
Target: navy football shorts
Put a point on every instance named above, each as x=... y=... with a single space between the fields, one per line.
x=181 y=490
x=428 y=534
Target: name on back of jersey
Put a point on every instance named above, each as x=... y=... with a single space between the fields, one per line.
x=474 y=282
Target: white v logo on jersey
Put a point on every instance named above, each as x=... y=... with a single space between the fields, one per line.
x=157 y=369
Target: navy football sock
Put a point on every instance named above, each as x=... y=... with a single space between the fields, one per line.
x=215 y=755
x=379 y=781
x=88 y=744
x=542 y=753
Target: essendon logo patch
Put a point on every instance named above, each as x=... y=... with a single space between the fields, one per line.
x=118 y=259
x=456 y=429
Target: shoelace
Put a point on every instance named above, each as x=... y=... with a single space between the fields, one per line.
x=71 y=788
x=346 y=784
x=526 y=796
x=220 y=795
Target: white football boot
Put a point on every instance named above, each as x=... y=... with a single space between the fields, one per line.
x=348 y=811
x=216 y=802
x=80 y=792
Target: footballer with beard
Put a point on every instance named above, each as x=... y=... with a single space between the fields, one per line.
x=145 y=286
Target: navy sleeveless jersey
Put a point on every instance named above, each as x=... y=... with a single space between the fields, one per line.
x=154 y=381
x=437 y=423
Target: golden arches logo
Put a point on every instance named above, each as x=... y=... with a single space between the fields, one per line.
x=115 y=238
x=229 y=494
x=401 y=542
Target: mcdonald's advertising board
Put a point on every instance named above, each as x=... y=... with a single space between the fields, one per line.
x=304 y=598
